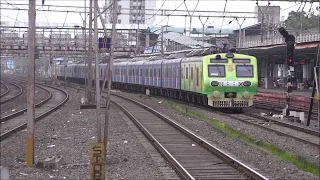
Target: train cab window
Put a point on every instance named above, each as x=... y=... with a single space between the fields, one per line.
x=191 y=73
x=216 y=71
x=244 y=70
x=187 y=73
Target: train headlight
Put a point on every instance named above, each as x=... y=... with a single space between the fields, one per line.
x=216 y=94
x=246 y=94
x=247 y=83
x=214 y=83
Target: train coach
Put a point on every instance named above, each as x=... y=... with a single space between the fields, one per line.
x=225 y=80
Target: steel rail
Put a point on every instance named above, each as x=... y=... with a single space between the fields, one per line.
x=259 y=119
x=7 y=89
x=39 y=104
x=263 y=119
x=214 y=150
x=7 y=134
x=15 y=96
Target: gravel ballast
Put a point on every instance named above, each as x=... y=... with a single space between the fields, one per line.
x=68 y=132
x=267 y=164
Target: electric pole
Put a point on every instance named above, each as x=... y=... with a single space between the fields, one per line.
x=137 y=35
x=203 y=24
x=31 y=83
x=110 y=65
x=85 y=41
x=89 y=95
x=162 y=49
x=97 y=79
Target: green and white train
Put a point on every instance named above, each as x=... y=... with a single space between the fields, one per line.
x=225 y=80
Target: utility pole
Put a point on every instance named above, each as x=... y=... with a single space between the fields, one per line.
x=203 y=24
x=162 y=49
x=31 y=83
x=85 y=41
x=97 y=79
x=65 y=65
x=240 y=31
x=137 y=35
x=89 y=95
x=110 y=65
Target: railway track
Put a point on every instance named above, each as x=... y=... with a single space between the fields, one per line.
x=299 y=133
x=12 y=93
x=6 y=91
x=280 y=127
x=191 y=156
x=17 y=121
x=277 y=108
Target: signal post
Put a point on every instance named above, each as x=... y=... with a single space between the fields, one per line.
x=291 y=79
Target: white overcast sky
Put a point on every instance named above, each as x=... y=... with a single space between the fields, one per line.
x=208 y=5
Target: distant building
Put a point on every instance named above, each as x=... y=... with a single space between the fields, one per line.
x=132 y=12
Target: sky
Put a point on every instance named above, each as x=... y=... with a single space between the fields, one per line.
x=207 y=5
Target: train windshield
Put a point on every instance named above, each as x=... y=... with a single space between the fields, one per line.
x=216 y=71
x=244 y=71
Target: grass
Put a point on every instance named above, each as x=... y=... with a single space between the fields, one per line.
x=230 y=133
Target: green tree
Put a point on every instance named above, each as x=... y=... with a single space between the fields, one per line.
x=301 y=20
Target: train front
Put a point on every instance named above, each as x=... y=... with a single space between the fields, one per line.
x=230 y=80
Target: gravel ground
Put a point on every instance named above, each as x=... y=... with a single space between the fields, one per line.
x=267 y=164
x=21 y=102
x=68 y=132
x=313 y=122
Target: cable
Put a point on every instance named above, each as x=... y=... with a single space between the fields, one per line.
x=224 y=10
x=65 y=19
x=16 y=19
x=166 y=16
x=157 y=10
x=300 y=5
x=309 y=9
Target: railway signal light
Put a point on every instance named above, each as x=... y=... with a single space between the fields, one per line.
x=290 y=40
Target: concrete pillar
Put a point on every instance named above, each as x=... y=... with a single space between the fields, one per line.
x=147 y=40
x=305 y=73
x=268 y=75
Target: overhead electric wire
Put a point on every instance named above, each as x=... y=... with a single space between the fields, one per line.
x=157 y=10
x=224 y=10
x=166 y=16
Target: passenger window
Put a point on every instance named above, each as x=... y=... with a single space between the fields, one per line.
x=197 y=80
x=182 y=73
x=187 y=73
x=191 y=73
